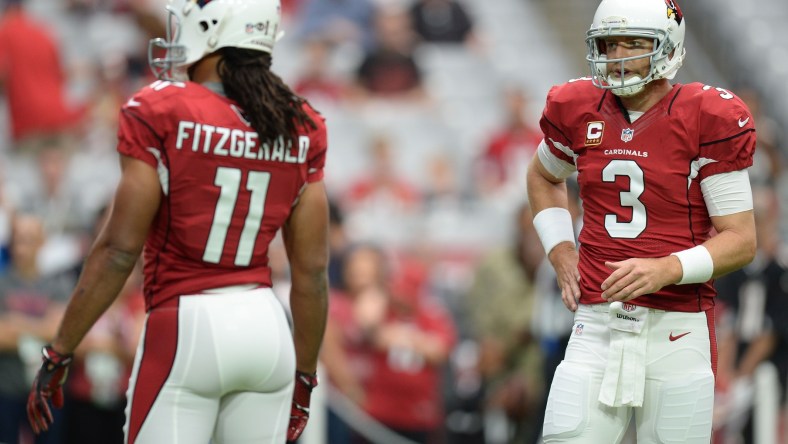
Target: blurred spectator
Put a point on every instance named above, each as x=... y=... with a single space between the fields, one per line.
x=443 y=186
x=382 y=183
x=441 y=21
x=502 y=165
x=768 y=160
x=752 y=326
x=6 y=212
x=339 y=21
x=55 y=199
x=411 y=343
x=59 y=201
x=30 y=309
x=338 y=246
x=315 y=82
x=386 y=344
x=343 y=354
x=389 y=70
x=33 y=81
x=381 y=204
x=500 y=304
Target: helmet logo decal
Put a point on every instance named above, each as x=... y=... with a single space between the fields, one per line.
x=259 y=26
x=202 y=3
x=674 y=11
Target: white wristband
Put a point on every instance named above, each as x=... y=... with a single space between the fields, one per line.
x=696 y=264
x=554 y=225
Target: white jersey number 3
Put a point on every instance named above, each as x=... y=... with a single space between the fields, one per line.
x=629 y=199
x=229 y=182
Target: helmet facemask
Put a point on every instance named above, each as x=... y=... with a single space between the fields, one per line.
x=174 y=54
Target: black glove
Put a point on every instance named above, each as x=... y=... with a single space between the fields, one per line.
x=47 y=385
x=299 y=410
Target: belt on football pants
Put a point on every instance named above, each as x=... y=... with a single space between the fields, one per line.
x=624 y=381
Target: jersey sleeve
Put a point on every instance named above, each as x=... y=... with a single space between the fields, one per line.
x=556 y=150
x=137 y=137
x=727 y=136
x=317 y=153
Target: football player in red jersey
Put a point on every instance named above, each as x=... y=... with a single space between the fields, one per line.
x=667 y=208
x=212 y=168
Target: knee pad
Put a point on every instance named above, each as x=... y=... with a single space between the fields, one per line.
x=684 y=410
x=567 y=413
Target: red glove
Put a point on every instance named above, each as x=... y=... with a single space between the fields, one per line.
x=48 y=384
x=299 y=411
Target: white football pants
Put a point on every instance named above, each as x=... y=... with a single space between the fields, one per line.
x=213 y=366
x=678 y=394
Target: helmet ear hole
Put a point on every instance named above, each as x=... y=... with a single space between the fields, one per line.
x=204 y=26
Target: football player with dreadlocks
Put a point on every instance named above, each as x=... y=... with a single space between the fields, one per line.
x=216 y=157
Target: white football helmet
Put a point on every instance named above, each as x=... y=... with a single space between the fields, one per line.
x=660 y=20
x=197 y=28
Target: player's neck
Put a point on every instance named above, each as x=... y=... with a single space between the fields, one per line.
x=205 y=70
x=650 y=96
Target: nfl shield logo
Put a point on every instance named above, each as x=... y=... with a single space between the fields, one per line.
x=579 y=329
x=626 y=134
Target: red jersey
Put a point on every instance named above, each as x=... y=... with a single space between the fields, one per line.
x=224 y=194
x=640 y=181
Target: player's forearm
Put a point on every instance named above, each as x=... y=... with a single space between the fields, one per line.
x=106 y=270
x=309 y=305
x=544 y=193
x=731 y=249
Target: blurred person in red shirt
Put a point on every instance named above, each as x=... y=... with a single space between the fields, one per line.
x=510 y=147
x=383 y=185
x=386 y=343
x=315 y=81
x=32 y=79
x=411 y=343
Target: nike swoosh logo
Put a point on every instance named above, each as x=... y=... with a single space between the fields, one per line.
x=743 y=122
x=673 y=338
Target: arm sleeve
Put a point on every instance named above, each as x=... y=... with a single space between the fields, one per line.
x=317 y=152
x=556 y=146
x=559 y=166
x=727 y=139
x=727 y=193
x=137 y=138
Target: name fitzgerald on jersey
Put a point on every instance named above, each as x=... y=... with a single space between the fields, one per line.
x=228 y=142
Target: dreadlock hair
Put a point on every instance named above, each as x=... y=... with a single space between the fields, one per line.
x=272 y=108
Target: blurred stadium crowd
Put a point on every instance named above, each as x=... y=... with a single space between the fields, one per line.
x=445 y=322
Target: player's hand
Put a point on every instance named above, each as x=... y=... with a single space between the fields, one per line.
x=635 y=277
x=299 y=410
x=47 y=385
x=564 y=259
